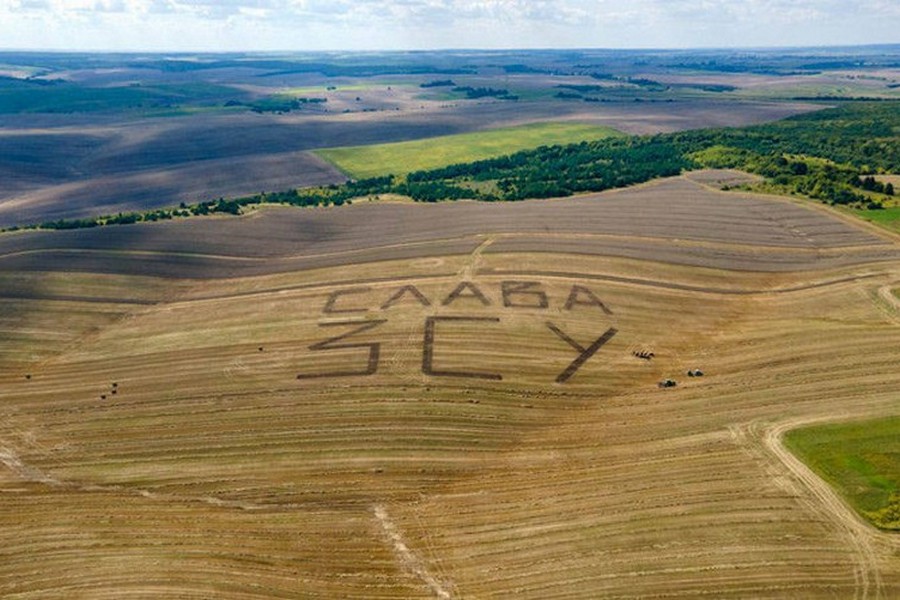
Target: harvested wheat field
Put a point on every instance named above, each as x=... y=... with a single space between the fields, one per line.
x=447 y=401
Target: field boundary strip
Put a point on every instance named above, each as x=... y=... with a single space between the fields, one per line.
x=437 y=240
x=130 y=253
x=675 y=286
x=7 y=295
x=489 y=272
x=546 y=274
x=256 y=260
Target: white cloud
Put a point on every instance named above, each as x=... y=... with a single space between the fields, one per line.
x=298 y=24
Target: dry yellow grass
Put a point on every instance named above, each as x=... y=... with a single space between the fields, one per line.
x=213 y=471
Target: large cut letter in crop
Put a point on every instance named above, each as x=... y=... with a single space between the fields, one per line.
x=331 y=344
x=428 y=349
x=586 y=353
x=330 y=307
x=521 y=294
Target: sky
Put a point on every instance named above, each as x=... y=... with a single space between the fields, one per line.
x=272 y=25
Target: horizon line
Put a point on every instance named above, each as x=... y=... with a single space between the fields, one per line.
x=460 y=49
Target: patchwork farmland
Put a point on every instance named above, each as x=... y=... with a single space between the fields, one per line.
x=445 y=401
x=100 y=134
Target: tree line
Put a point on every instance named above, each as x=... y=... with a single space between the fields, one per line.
x=832 y=155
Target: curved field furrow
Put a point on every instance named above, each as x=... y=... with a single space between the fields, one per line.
x=315 y=238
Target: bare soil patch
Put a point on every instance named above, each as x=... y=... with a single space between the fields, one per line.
x=195 y=182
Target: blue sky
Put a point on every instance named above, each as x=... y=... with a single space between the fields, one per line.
x=193 y=25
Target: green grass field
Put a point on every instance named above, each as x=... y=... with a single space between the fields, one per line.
x=861 y=460
x=889 y=218
x=404 y=157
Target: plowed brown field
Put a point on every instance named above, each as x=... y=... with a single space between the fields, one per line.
x=75 y=166
x=404 y=401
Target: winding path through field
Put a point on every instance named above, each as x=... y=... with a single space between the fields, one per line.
x=409 y=561
x=861 y=537
x=472 y=265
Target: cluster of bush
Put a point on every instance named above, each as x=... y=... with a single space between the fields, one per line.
x=277 y=103
x=473 y=93
x=438 y=83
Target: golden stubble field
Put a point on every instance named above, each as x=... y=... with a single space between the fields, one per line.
x=486 y=430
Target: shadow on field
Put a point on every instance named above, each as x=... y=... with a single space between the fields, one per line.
x=701 y=228
x=44 y=307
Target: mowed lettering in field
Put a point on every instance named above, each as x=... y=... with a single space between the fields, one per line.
x=465 y=295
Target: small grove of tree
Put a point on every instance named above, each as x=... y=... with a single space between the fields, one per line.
x=278 y=103
x=888 y=517
x=438 y=83
x=69 y=224
x=869 y=183
x=473 y=93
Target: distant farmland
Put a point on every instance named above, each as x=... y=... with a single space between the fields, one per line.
x=405 y=157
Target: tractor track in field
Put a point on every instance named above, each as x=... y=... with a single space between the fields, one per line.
x=28 y=474
x=471 y=267
x=887 y=293
x=766 y=441
x=15 y=295
x=406 y=557
x=888 y=303
x=678 y=286
x=857 y=533
x=491 y=272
